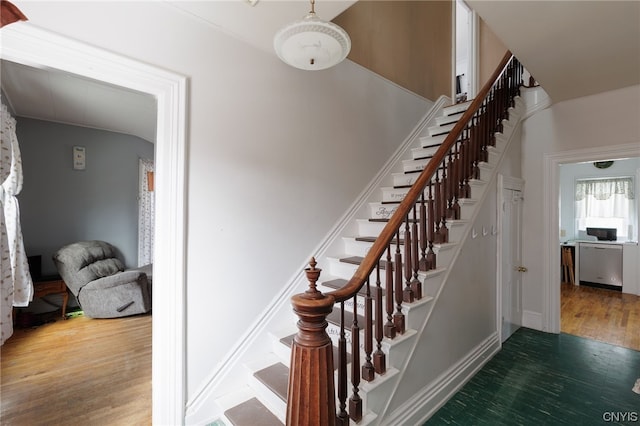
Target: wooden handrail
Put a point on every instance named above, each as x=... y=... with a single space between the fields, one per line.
x=389 y=231
x=443 y=181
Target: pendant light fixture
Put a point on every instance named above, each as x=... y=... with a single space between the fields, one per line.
x=311 y=43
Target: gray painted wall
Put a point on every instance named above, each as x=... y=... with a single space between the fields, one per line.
x=59 y=205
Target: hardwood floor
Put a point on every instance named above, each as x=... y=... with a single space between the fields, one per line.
x=605 y=315
x=80 y=371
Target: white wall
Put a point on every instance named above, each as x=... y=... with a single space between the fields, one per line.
x=588 y=123
x=275 y=155
x=569 y=173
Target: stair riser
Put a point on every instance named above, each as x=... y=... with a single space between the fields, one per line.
x=447 y=119
x=268 y=398
x=413 y=165
x=424 y=152
x=437 y=130
x=361 y=248
x=346 y=270
x=381 y=211
x=403 y=179
x=426 y=141
x=367 y=228
x=397 y=194
x=466 y=210
x=453 y=109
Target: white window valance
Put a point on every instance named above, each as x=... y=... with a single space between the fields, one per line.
x=603 y=189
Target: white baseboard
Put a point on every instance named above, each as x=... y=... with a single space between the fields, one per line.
x=532 y=319
x=433 y=396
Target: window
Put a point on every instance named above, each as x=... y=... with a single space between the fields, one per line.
x=606 y=203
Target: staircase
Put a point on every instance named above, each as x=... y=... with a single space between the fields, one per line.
x=404 y=307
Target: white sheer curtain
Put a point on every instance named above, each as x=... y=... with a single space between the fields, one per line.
x=16 y=288
x=606 y=203
x=146 y=212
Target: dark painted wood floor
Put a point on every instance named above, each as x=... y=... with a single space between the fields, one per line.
x=549 y=379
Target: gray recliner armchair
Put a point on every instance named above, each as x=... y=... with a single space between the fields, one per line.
x=99 y=281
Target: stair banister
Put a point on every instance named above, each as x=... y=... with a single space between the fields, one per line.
x=389 y=231
x=311 y=398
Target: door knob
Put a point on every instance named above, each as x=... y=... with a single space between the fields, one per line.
x=522 y=269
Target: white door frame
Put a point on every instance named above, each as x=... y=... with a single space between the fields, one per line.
x=29 y=45
x=472 y=70
x=551 y=196
x=517 y=184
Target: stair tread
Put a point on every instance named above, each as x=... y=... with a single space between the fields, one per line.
x=251 y=413
x=373 y=240
x=339 y=283
x=288 y=340
x=356 y=260
x=276 y=378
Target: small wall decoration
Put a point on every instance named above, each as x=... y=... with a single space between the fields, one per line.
x=79 y=158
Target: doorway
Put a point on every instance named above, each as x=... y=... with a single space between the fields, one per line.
x=28 y=45
x=551 y=197
x=510 y=255
x=465 y=52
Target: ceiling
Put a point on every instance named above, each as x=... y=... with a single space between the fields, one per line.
x=53 y=95
x=572 y=48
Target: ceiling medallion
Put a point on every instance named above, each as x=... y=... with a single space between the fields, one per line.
x=312 y=44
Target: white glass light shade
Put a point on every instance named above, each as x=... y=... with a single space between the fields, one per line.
x=312 y=44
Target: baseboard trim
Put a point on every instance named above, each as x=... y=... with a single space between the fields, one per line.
x=532 y=320
x=433 y=396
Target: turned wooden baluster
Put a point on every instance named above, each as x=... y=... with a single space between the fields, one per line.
x=492 y=118
x=484 y=154
x=437 y=207
x=379 y=357
x=342 y=417
x=407 y=295
x=456 y=180
x=355 y=402
x=424 y=242
x=416 y=285
x=468 y=163
x=368 y=371
x=311 y=394
x=475 y=148
x=443 y=231
x=449 y=186
x=389 y=327
x=398 y=317
x=431 y=229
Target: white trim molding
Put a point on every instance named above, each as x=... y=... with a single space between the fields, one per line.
x=550 y=320
x=27 y=44
x=423 y=405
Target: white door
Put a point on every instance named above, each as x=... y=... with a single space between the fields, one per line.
x=512 y=268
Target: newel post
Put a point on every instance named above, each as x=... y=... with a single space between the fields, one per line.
x=311 y=396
